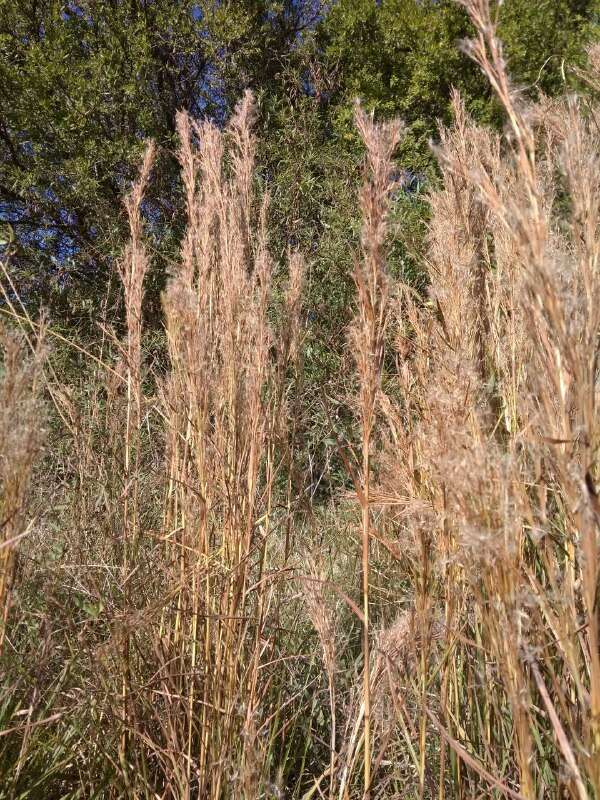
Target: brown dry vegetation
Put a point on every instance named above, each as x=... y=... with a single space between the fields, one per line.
x=180 y=621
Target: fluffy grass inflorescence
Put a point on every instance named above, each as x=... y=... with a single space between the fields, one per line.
x=183 y=618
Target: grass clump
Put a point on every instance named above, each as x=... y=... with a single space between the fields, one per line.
x=182 y=617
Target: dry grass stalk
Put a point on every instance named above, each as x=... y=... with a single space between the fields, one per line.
x=132 y=271
x=367 y=342
x=220 y=403
x=21 y=437
x=480 y=514
x=320 y=614
x=497 y=433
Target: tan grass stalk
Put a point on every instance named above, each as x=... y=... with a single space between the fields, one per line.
x=367 y=340
x=132 y=271
x=21 y=437
x=222 y=403
x=320 y=615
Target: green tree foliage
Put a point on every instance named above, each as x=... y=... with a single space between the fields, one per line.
x=545 y=40
x=83 y=85
x=403 y=56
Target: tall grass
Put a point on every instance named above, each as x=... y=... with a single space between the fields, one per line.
x=182 y=619
x=21 y=434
